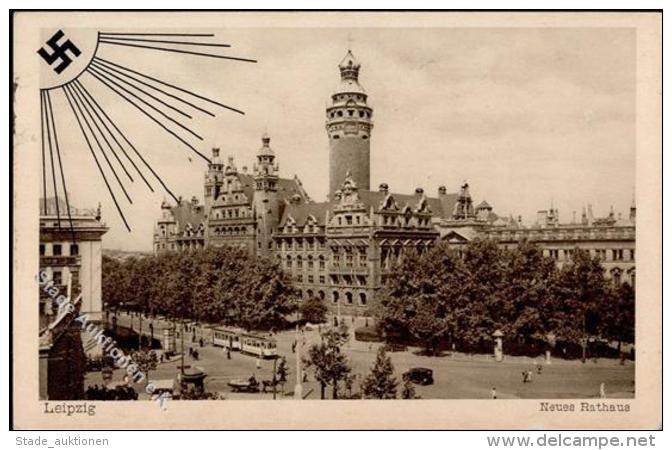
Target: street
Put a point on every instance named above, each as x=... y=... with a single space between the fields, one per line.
x=455 y=377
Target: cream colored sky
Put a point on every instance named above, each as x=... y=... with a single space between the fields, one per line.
x=526 y=115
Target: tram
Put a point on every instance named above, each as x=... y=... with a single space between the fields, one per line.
x=252 y=344
x=226 y=337
x=258 y=345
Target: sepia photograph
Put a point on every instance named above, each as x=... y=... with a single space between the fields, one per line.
x=314 y=212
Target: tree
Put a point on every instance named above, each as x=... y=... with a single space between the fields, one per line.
x=619 y=321
x=146 y=362
x=214 y=284
x=424 y=297
x=583 y=298
x=313 y=310
x=408 y=391
x=329 y=365
x=380 y=383
x=530 y=292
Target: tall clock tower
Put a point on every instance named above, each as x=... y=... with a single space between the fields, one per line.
x=349 y=124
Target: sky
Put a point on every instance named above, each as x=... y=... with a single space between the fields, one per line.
x=529 y=117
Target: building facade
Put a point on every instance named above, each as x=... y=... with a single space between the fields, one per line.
x=71 y=256
x=610 y=238
x=342 y=249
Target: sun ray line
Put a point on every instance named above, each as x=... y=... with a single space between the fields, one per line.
x=100 y=169
x=117 y=71
x=44 y=162
x=186 y=91
x=100 y=147
x=99 y=75
x=107 y=71
x=60 y=165
x=178 y=137
x=82 y=90
x=130 y=144
x=174 y=50
x=158 y=34
x=200 y=44
x=53 y=168
x=100 y=132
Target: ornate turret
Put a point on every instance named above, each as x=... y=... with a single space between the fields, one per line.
x=464 y=208
x=213 y=180
x=266 y=170
x=349 y=127
x=266 y=203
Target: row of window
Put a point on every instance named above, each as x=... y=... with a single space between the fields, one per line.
x=343 y=97
x=232 y=213
x=310 y=263
x=224 y=231
x=335 y=296
x=292 y=228
x=300 y=244
x=602 y=253
x=351 y=113
x=311 y=279
x=58 y=249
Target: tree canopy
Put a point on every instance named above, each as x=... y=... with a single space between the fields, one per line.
x=216 y=285
x=443 y=297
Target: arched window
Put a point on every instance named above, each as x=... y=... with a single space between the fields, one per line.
x=309 y=293
x=335 y=296
x=348 y=298
x=320 y=295
x=362 y=298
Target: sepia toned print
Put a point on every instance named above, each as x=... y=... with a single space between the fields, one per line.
x=254 y=213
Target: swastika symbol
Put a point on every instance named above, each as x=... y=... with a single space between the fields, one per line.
x=59 y=52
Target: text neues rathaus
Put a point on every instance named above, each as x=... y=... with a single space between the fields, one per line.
x=341 y=250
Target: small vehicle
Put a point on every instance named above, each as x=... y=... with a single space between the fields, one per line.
x=251 y=385
x=419 y=375
x=226 y=337
x=261 y=346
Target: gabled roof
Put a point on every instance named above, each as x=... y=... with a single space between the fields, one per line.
x=186 y=214
x=300 y=213
x=440 y=207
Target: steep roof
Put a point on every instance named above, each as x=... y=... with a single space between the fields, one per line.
x=186 y=214
x=440 y=207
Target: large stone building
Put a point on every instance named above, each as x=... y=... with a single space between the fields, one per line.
x=610 y=238
x=71 y=257
x=339 y=250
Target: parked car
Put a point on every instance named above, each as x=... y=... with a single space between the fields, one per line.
x=419 y=375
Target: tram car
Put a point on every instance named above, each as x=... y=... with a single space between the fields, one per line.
x=258 y=345
x=227 y=338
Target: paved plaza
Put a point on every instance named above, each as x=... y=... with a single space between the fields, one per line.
x=456 y=376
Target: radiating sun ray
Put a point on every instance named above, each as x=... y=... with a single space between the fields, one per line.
x=156 y=99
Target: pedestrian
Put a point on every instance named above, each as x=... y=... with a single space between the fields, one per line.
x=258 y=363
x=294 y=347
x=228 y=353
x=196 y=355
x=524 y=376
x=529 y=376
x=603 y=394
x=493 y=393
x=200 y=341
